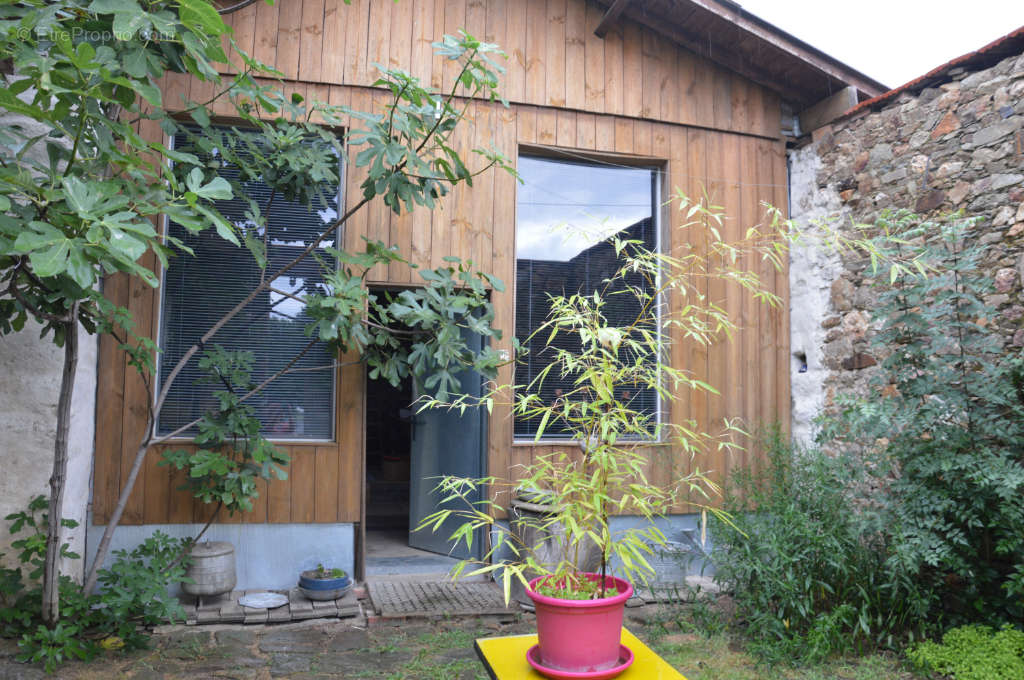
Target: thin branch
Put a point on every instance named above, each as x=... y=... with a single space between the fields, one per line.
x=286 y=294
x=19 y=296
x=336 y=364
x=284 y=371
x=197 y=105
x=144 y=375
x=234 y=8
x=481 y=171
x=187 y=548
x=391 y=118
x=398 y=331
x=266 y=232
x=249 y=298
x=32 y=275
x=312 y=343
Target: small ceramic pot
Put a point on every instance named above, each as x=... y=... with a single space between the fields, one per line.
x=316 y=588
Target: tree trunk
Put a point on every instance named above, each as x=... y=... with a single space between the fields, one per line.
x=115 y=518
x=51 y=571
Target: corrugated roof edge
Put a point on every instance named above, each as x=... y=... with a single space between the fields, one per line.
x=997 y=49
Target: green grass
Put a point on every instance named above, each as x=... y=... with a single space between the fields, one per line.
x=691 y=638
x=720 y=658
x=696 y=640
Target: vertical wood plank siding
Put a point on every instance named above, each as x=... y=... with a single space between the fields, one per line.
x=633 y=93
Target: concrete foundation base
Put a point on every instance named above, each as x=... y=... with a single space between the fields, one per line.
x=267 y=556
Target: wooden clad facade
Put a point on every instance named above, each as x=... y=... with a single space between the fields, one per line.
x=633 y=95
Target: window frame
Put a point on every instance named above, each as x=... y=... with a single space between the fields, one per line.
x=659 y=167
x=165 y=224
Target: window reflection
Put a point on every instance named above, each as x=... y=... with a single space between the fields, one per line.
x=198 y=291
x=566 y=212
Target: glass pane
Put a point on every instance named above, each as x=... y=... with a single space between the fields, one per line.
x=198 y=290
x=566 y=211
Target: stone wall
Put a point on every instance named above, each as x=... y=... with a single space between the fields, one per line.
x=957 y=145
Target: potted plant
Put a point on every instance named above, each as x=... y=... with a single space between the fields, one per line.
x=607 y=351
x=324 y=583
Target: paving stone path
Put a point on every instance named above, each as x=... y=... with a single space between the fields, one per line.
x=321 y=649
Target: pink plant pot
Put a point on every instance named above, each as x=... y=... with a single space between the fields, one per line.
x=581 y=636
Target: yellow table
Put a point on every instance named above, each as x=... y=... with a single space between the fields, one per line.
x=505 y=659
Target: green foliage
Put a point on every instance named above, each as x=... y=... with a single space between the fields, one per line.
x=408 y=150
x=77 y=201
x=571 y=587
x=417 y=331
x=973 y=652
x=328 y=572
x=84 y=72
x=134 y=590
x=12 y=587
x=32 y=548
x=950 y=427
x=231 y=455
x=83 y=182
x=53 y=647
x=605 y=364
x=806 y=569
x=134 y=595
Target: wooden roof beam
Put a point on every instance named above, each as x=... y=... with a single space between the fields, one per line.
x=718 y=54
x=787 y=43
x=610 y=17
x=828 y=109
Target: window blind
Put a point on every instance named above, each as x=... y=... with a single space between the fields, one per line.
x=566 y=212
x=198 y=290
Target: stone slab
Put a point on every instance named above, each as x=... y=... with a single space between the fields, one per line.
x=299 y=608
x=254 y=615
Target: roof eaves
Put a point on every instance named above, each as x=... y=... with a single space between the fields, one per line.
x=789 y=43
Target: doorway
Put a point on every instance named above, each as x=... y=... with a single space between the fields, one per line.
x=406 y=452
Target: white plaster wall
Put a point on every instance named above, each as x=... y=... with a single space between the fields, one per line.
x=812 y=269
x=30 y=374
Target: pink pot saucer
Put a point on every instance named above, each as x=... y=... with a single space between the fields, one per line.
x=625 y=659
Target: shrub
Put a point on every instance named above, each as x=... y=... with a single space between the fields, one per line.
x=973 y=652
x=948 y=402
x=134 y=596
x=808 y=573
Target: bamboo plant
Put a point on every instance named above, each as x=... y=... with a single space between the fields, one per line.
x=610 y=437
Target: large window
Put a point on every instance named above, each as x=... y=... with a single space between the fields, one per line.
x=198 y=290
x=566 y=212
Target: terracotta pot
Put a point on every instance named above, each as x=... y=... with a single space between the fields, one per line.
x=581 y=636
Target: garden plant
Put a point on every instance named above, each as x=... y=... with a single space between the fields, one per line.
x=83 y=181
x=908 y=517
x=610 y=439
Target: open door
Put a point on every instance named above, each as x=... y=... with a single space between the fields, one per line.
x=445 y=443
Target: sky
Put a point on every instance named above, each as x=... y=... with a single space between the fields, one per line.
x=564 y=208
x=893 y=41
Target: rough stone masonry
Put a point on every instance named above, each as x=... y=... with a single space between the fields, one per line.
x=954 y=145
